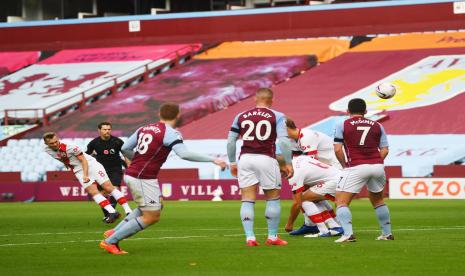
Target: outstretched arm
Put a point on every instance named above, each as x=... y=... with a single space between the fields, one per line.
x=182 y=151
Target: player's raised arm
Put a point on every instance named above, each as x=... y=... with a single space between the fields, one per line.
x=383 y=144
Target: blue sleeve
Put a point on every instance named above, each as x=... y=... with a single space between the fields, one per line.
x=383 y=142
x=234 y=131
x=128 y=147
x=172 y=137
x=182 y=151
x=131 y=142
x=339 y=133
x=281 y=129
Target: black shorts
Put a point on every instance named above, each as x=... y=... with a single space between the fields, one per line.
x=115 y=175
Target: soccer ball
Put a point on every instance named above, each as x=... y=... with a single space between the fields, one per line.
x=385 y=90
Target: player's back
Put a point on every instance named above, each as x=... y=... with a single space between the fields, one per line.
x=150 y=152
x=309 y=171
x=258 y=128
x=362 y=138
x=319 y=145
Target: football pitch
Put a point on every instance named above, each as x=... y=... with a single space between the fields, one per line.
x=205 y=238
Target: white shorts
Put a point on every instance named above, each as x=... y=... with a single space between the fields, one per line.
x=353 y=179
x=96 y=172
x=325 y=188
x=258 y=168
x=145 y=192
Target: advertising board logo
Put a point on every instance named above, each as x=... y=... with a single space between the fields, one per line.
x=166 y=189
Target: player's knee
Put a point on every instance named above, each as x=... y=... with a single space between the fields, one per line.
x=341 y=202
x=92 y=190
x=108 y=187
x=377 y=202
x=151 y=217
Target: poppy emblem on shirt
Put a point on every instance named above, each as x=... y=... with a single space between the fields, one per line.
x=105 y=152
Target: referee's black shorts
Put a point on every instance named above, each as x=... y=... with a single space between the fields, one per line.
x=116 y=176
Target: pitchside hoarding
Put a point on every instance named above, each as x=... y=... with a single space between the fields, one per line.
x=171 y=190
x=427 y=188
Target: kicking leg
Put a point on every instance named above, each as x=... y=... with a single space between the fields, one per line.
x=117 y=195
x=99 y=198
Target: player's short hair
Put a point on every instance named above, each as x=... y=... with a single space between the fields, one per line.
x=264 y=93
x=104 y=124
x=290 y=123
x=169 y=111
x=48 y=136
x=357 y=106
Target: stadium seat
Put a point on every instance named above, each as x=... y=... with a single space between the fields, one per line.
x=35 y=142
x=12 y=142
x=23 y=142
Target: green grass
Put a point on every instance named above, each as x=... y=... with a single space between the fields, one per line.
x=205 y=238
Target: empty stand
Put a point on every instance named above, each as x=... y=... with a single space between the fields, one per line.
x=13 y=61
x=72 y=79
x=324 y=49
x=200 y=86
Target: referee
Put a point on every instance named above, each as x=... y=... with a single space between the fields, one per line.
x=106 y=149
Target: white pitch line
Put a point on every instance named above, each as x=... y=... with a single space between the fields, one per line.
x=156 y=230
x=408 y=228
x=86 y=241
x=430 y=228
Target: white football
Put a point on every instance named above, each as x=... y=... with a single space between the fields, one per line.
x=385 y=90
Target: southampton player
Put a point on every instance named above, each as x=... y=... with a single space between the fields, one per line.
x=152 y=144
x=317 y=145
x=313 y=143
x=312 y=184
x=259 y=128
x=88 y=172
x=365 y=143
